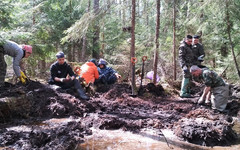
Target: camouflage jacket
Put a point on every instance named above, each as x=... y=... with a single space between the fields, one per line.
x=198 y=51
x=186 y=55
x=212 y=79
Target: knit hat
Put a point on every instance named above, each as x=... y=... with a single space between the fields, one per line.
x=194 y=68
x=102 y=62
x=60 y=55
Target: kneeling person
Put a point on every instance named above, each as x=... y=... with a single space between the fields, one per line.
x=215 y=84
x=59 y=72
x=107 y=75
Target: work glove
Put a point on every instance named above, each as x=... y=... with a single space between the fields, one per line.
x=200 y=58
x=185 y=69
x=23 y=78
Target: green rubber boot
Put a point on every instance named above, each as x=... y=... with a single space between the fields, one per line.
x=184 y=88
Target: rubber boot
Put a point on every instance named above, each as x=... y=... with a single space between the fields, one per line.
x=184 y=92
x=80 y=90
x=82 y=94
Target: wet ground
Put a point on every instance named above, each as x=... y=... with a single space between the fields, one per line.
x=39 y=116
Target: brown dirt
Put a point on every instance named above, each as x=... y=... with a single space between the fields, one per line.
x=111 y=108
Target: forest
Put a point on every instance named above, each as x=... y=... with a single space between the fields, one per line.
x=86 y=29
x=39 y=116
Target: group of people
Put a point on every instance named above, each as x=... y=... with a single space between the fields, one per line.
x=191 y=54
x=61 y=72
x=90 y=72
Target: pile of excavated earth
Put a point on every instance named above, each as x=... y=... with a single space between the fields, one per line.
x=29 y=115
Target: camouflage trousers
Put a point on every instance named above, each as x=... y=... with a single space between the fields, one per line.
x=3 y=66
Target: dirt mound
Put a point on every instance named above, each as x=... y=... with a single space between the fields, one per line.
x=66 y=136
x=204 y=127
x=110 y=108
x=39 y=100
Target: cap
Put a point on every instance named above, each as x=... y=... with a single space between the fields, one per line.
x=189 y=37
x=194 y=68
x=196 y=36
x=27 y=48
x=60 y=55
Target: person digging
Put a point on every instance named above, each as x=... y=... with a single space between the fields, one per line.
x=17 y=52
x=63 y=76
x=215 y=85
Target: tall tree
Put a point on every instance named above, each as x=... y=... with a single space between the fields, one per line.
x=229 y=27
x=156 y=43
x=132 y=53
x=84 y=39
x=96 y=46
x=174 y=41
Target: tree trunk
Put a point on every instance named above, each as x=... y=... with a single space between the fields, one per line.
x=84 y=47
x=145 y=11
x=96 y=47
x=132 y=53
x=174 y=42
x=69 y=53
x=84 y=39
x=230 y=39
x=120 y=11
x=155 y=63
x=33 y=14
x=124 y=13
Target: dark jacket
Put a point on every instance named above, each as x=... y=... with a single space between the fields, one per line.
x=198 y=51
x=186 y=56
x=60 y=71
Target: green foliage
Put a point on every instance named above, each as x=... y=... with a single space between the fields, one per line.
x=5 y=13
x=51 y=25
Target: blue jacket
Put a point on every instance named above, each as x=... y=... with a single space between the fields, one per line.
x=106 y=71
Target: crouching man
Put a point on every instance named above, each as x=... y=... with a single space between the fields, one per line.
x=107 y=75
x=214 y=84
x=59 y=76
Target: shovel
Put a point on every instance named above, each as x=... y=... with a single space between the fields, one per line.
x=140 y=91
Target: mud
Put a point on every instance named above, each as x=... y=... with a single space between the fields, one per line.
x=25 y=111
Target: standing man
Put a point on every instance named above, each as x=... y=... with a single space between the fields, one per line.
x=186 y=59
x=63 y=76
x=18 y=53
x=198 y=50
x=215 y=84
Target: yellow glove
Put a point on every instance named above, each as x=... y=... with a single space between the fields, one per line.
x=23 y=78
x=23 y=75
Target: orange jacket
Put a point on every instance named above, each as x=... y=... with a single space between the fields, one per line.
x=89 y=72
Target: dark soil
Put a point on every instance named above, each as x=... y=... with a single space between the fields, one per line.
x=111 y=108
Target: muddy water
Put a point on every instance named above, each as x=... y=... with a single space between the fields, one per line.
x=145 y=140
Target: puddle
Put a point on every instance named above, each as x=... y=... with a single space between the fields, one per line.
x=122 y=140
x=145 y=140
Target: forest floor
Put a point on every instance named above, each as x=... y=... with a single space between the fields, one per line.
x=38 y=115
